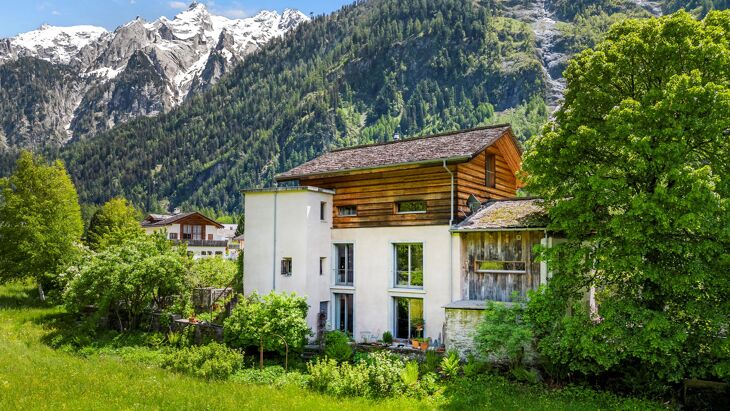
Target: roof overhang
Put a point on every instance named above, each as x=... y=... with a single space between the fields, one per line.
x=449 y=160
x=496 y=229
x=286 y=189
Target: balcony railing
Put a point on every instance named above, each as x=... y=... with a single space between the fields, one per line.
x=202 y=243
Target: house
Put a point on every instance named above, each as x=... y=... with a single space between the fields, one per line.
x=407 y=236
x=203 y=236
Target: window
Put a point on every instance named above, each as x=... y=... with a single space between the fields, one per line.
x=347 y=211
x=504 y=256
x=173 y=236
x=409 y=318
x=344 y=274
x=491 y=171
x=322 y=265
x=343 y=313
x=323 y=211
x=210 y=236
x=192 y=232
x=286 y=266
x=408 y=265
x=219 y=253
x=410 y=207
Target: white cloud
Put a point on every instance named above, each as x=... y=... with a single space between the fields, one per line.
x=177 y=5
x=56 y=13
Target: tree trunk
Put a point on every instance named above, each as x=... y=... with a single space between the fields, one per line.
x=41 y=294
x=261 y=353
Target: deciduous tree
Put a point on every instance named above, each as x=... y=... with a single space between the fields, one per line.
x=115 y=221
x=40 y=221
x=636 y=172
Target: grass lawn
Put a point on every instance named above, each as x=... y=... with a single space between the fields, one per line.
x=35 y=376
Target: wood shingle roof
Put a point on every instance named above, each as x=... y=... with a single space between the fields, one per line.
x=460 y=145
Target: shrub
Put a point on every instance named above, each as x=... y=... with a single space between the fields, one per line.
x=430 y=362
x=376 y=375
x=267 y=322
x=212 y=272
x=388 y=337
x=212 y=361
x=337 y=346
x=450 y=365
x=502 y=333
x=409 y=375
x=273 y=375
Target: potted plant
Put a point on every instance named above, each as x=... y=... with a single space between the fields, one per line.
x=423 y=343
x=387 y=338
x=414 y=343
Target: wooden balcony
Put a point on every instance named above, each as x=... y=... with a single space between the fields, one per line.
x=202 y=243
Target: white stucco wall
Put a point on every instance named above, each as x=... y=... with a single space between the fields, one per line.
x=374 y=280
x=286 y=223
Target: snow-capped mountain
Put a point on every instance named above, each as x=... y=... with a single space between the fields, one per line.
x=141 y=68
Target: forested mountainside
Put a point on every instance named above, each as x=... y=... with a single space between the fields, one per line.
x=352 y=77
x=63 y=83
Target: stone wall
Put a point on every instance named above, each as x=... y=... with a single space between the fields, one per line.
x=459 y=331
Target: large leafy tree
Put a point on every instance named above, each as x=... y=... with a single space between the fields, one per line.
x=636 y=173
x=113 y=222
x=40 y=221
x=125 y=279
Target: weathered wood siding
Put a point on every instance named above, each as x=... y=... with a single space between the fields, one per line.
x=499 y=246
x=376 y=192
x=471 y=178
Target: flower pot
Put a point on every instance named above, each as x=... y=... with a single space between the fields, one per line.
x=423 y=345
x=414 y=343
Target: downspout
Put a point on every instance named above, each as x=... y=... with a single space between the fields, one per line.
x=451 y=237
x=273 y=253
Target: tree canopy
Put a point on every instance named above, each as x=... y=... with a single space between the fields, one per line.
x=40 y=221
x=125 y=279
x=635 y=170
x=116 y=220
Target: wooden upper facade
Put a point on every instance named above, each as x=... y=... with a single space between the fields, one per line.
x=389 y=185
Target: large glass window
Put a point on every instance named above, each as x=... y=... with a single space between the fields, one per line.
x=192 y=232
x=344 y=274
x=409 y=318
x=408 y=265
x=343 y=313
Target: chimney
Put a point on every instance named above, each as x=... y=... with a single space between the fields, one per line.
x=176 y=211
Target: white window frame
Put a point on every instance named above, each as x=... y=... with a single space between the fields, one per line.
x=394 y=248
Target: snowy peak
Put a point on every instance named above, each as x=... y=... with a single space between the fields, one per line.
x=55 y=44
x=144 y=68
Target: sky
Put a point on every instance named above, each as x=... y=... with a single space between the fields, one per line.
x=19 y=16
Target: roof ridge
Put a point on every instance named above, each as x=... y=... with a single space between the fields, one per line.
x=442 y=134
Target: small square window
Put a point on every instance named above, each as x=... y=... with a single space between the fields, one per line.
x=210 y=236
x=347 y=211
x=173 y=236
x=286 y=266
x=411 y=207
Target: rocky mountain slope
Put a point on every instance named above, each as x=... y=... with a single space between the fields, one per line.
x=353 y=77
x=141 y=68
